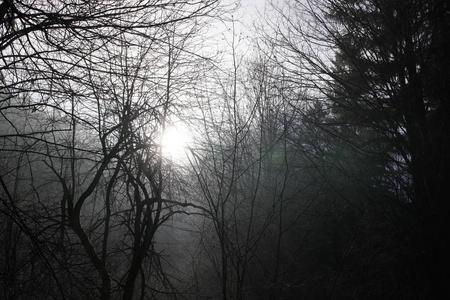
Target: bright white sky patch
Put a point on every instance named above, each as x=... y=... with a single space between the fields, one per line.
x=174 y=142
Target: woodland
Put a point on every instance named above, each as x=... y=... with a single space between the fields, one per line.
x=167 y=149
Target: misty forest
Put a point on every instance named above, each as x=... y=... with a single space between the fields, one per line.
x=218 y=149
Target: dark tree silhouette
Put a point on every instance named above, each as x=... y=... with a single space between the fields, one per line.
x=379 y=69
x=87 y=90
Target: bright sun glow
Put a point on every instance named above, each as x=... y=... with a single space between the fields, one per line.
x=175 y=141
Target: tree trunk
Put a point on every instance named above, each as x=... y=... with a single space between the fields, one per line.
x=105 y=289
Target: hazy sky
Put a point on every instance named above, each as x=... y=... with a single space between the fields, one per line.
x=251 y=8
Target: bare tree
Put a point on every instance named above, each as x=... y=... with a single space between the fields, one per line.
x=249 y=174
x=87 y=92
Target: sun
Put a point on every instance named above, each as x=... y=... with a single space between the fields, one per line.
x=174 y=142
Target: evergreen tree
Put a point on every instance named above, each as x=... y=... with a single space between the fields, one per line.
x=390 y=86
x=380 y=69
